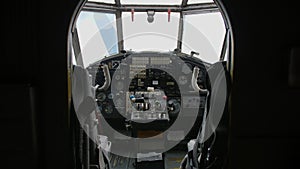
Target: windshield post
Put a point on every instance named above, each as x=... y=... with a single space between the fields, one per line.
x=180 y=33
x=119 y=30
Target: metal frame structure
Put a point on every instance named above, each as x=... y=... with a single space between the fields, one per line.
x=144 y=8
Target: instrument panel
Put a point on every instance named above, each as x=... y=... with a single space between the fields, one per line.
x=159 y=71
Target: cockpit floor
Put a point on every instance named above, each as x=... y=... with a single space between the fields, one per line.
x=172 y=160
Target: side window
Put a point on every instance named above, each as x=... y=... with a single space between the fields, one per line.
x=204 y=33
x=97 y=35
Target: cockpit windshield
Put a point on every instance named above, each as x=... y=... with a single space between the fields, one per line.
x=105 y=28
x=140 y=35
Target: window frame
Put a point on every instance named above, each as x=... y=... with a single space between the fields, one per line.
x=184 y=9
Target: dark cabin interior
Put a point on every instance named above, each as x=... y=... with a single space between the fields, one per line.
x=264 y=118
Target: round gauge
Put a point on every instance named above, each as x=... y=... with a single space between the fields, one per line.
x=110 y=96
x=174 y=107
x=108 y=109
x=101 y=96
x=182 y=80
x=117 y=77
x=115 y=64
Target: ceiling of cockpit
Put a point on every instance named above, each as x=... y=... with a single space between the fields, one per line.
x=156 y=2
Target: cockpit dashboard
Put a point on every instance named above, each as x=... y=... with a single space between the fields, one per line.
x=150 y=86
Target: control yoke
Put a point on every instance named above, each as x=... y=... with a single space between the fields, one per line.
x=107 y=78
x=194 y=81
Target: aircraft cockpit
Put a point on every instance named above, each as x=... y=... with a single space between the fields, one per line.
x=150 y=83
